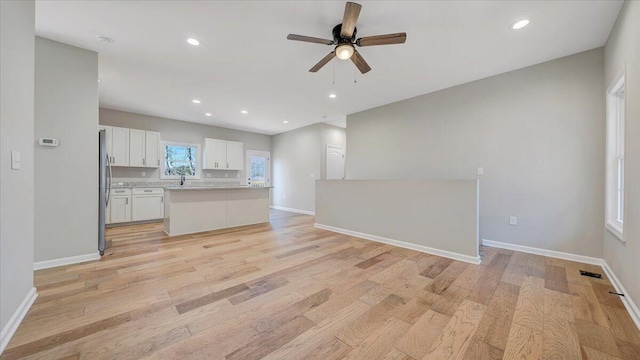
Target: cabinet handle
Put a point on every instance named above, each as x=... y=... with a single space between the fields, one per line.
x=144 y=161
x=126 y=201
x=227 y=165
x=158 y=162
x=114 y=159
x=162 y=199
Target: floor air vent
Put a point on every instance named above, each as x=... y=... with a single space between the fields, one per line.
x=590 y=274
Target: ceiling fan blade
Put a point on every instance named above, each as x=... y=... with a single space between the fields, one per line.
x=323 y=62
x=351 y=12
x=388 y=39
x=358 y=60
x=309 y=39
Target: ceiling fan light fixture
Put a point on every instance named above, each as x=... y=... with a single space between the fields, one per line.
x=344 y=51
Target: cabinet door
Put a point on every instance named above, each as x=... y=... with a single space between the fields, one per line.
x=120 y=209
x=235 y=155
x=215 y=154
x=220 y=153
x=208 y=158
x=136 y=148
x=152 y=149
x=108 y=139
x=120 y=146
x=146 y=207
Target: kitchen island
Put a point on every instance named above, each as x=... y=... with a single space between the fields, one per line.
x=192 y=209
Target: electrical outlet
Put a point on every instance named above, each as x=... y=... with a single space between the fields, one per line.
x=238 y=174
x=208 y=175
x=513 y=220
x=226 y=175
x=144 y=174
x=312 y=175
x=480 y=171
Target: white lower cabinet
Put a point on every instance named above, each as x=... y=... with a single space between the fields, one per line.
x=148 y=204
x=119 y=208
x=126 y=205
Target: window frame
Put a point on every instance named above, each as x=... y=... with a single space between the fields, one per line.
x=616 y=110
x=198 y=161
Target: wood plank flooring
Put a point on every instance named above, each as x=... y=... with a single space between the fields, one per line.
x=287 y=290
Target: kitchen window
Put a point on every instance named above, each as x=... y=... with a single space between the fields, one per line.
x=180 y=159
x=616 y=109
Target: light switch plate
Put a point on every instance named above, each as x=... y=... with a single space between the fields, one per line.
x=480 y=171
x=513 y=220
x=208 y=175
x=15 y=160
x=144 y=174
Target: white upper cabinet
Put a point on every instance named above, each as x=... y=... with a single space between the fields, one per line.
x=234 y=155
x=136 y=148
x=152 y=149
x=214 y=154
x=131 y=147
x=119 y=146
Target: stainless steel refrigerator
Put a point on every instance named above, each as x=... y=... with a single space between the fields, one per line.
x=104 y=185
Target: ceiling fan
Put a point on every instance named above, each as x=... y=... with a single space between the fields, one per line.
x=344 y=37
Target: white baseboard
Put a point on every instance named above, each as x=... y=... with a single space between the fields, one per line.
x=65 y=261
x=402 y=244
x=312 y=213
x=10 y=328
x=632 y=309
x=543 y=252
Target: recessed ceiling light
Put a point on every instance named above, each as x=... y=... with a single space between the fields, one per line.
x=208 y=114
x=193 y=42
x=195 y=101
x=520 y=24
x=333 y=96
x=244 y=111
x=285 y=122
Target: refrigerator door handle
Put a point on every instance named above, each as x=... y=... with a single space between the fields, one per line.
x=109 y=184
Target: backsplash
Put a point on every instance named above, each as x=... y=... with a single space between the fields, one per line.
x=152 y=175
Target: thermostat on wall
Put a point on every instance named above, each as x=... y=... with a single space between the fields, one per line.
x=48 y=142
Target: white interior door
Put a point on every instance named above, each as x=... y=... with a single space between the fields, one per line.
x=258 y=168
x=335 y=163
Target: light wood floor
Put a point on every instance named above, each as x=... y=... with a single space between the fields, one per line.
x=290 y=291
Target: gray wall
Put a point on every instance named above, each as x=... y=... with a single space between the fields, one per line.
x=538 y=132
x=180 y=131
x=17 y=27
x=66 y=177
x=439 y=217
x=622 y=50
x=297 y=155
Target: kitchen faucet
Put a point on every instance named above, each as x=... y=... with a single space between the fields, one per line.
x=182 y=178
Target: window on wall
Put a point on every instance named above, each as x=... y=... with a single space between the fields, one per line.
x=616 y=102
x=180 y=159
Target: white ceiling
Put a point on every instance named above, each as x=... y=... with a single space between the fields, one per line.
x=245 y=62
